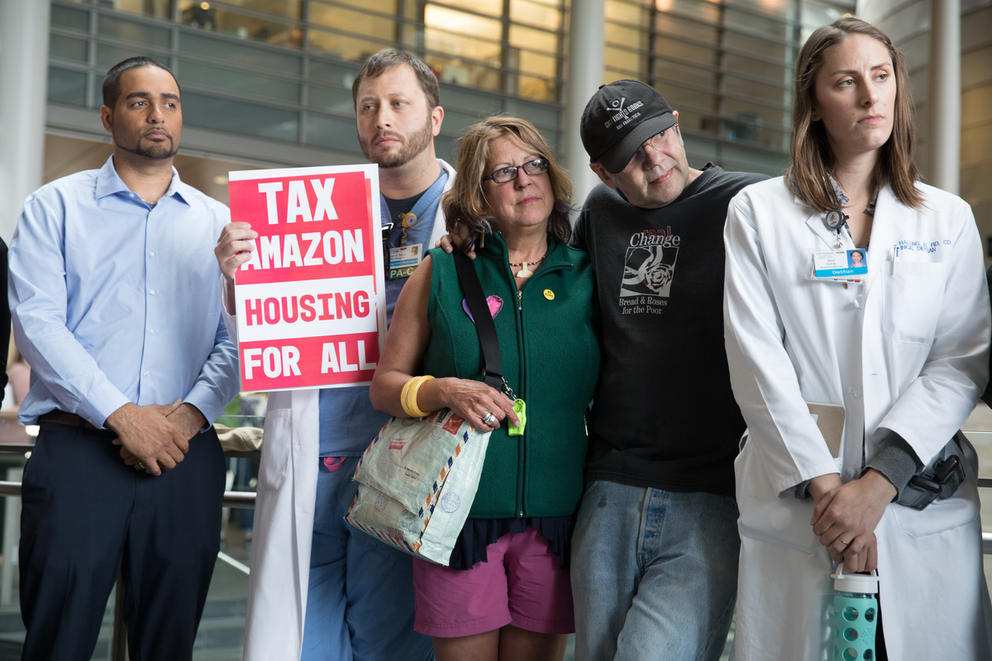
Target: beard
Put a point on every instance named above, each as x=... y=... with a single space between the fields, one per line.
x=151 y=149
x=411 y=146
x=155 y=150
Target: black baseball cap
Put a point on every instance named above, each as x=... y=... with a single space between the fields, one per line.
x=619 y=117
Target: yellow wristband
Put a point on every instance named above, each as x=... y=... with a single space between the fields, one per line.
x=408 y=396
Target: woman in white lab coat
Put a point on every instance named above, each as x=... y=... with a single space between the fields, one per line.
x=850 y=384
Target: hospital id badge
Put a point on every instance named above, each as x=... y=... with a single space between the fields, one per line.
x=845 y=265
x=404 y=260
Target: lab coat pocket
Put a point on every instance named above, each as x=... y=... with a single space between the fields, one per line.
x=914 y=300
x=766 y=516
x=276 y=448
x=939 y=516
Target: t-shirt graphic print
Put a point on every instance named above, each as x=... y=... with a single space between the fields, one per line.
x=648 y=271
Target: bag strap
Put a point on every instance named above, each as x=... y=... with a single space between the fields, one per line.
x=468 y=279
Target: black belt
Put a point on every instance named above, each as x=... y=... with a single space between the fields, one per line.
x=67 y=419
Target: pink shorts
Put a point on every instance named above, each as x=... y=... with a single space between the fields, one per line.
x=521 y=584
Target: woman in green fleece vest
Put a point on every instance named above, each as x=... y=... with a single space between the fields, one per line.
x=506 y=594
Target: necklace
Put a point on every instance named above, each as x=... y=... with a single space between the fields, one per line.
x=525 y=272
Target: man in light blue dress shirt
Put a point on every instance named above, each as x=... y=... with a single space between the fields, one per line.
x=113 y=294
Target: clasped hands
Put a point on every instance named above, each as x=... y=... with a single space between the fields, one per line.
x=155 y=437
x=846 y=515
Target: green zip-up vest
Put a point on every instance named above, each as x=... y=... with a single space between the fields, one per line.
x=550 y=357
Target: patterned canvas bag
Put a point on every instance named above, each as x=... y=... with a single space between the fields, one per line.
x=417 y=481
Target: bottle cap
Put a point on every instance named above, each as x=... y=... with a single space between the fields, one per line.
x=859 y=583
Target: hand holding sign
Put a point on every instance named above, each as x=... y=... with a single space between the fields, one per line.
x=234 y=247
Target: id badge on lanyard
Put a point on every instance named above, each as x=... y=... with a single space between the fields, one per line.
x=841 y=265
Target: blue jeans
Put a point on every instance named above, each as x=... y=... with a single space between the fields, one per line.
x=654 y=573
x=360 y=595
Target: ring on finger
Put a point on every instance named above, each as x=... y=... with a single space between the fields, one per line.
x=489 y=419
x=139 y=466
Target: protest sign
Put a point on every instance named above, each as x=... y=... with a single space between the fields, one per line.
x=310 y=302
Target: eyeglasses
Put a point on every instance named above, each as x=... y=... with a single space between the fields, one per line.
x=655 y=142
x=509 y=173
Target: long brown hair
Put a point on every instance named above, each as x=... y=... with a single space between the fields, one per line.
x=466 y=204
x=812 y=158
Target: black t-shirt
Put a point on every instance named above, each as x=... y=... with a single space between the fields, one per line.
x=664 y=415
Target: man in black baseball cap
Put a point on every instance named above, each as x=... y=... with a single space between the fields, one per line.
x=654 y=555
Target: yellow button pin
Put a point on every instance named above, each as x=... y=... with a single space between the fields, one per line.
x=548 y=294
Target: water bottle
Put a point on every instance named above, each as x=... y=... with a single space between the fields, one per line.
x=855 y=616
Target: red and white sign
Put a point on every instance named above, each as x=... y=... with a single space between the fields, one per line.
x=311 y=303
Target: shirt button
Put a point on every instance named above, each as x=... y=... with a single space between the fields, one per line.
x=151 y=331
x=146 y=373
x=151 y=291
x=151 y=253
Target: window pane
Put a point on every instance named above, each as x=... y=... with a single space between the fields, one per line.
x=108 y=55
x=241 y=83
x=465 y=45
x=133 y=32
x=543 y=14
x=539 y=89
x=381 y=6
x=68 y=17
x=626 y=12
x=344 y=47
x=533 y=40
x=333 y=132
x=630 y=36
x=538 y=65
x=456 y=71
x=276 y=8
x=444 y=27
x=154 y=8
x=349 y=20
x=193 y=43
x=331 y=73
x=686 y=29
x=66 y=86
x=766 y=47
x=680 y=50
x=490 y=7
x=239 y=117
x=333 y=99
x=243 y=26
x=682 y=71
x=759 y=68
x=67 y=48
x=772 y=27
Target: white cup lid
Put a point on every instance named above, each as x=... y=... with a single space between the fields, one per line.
x=861 y=583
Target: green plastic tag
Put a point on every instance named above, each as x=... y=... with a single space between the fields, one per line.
x=520 y=408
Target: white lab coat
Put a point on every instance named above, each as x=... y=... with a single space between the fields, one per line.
x=284 y=509
x=906 y=350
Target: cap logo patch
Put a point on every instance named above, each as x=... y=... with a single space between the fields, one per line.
x=622 y=116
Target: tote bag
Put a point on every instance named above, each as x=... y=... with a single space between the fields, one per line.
x=417 y=481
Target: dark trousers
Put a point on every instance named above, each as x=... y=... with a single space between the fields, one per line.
x=86 y=516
